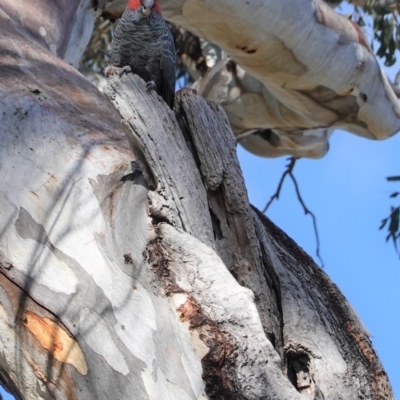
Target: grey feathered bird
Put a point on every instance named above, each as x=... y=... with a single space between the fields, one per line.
x=143 y=42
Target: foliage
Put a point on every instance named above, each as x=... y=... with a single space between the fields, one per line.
x=385 y=36
x=385 y=27
x=97 y=53
x=392 y=221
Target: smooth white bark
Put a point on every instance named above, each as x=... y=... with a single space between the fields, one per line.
x=306 y=71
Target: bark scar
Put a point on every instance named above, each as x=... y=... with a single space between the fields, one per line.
x=219 y=362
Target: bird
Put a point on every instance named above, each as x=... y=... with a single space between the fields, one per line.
x=144 y=45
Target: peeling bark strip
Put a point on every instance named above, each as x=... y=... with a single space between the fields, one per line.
x=56 y=340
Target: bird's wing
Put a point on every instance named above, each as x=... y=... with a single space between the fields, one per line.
x=167 y=67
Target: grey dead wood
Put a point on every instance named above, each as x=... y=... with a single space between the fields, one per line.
x=311 y=324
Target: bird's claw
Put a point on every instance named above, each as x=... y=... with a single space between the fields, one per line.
x=125 y=70
x=112 y=70
x=108 y=71
x=150 y=85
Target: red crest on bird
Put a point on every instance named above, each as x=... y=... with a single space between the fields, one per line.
x=135 y=4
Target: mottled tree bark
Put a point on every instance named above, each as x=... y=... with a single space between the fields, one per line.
x=131 y=263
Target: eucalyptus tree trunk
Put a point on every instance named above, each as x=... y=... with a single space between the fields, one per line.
x=132 y=265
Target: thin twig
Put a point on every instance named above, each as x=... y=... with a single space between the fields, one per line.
x=307 y=211
x=275 y=196
x=289 y=169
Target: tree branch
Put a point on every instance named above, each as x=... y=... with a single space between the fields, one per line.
x=307 y=211
x=275 y=196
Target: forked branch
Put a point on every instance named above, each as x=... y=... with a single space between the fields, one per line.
x=275 y=196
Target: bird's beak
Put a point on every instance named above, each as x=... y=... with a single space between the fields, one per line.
x=146 y=6
x=147 y=3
